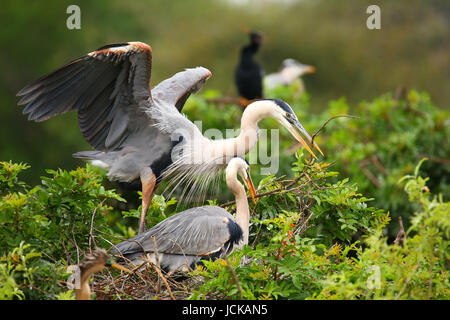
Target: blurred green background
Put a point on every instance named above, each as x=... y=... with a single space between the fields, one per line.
x=412 y=49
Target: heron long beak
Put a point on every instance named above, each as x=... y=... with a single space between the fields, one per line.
x=251 y=188
x=295 y=124
x=309 y=69
x=305 y=133
x=245 y=29
x=119 y=267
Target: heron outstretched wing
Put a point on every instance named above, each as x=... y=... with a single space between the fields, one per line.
x=198 y=231
x=177 y=89
x=106 y=87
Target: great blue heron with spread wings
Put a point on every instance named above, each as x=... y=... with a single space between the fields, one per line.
x=206 y=232
x=138 y=133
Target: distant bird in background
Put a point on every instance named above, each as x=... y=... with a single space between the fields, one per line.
x=249 y=74
x=207 y=232
x=92 y=263
x=290 y=71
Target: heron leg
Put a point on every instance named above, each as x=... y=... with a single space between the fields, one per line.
x=148 y=180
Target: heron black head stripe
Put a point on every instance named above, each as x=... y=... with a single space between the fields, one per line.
x=283 y=105
x=246 y=161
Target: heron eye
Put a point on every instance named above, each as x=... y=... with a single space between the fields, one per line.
x=288 y=115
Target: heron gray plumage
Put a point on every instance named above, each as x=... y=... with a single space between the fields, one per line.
x=139 y=133
x=187 y=237
x=290 y=71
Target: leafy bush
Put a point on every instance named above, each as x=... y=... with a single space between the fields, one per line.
x=24 y=274
x=48 y=227
x=64 y=209
x=390 y=136
x=294 y=266
x=415 y=268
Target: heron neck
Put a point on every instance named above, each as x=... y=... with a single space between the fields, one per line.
x=84 y=292
x=242 y=209
x=290 y=74
x=243 y=215
x=248 y=135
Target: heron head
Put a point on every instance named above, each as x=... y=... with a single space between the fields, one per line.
x=240 y=166
x=110 y=263
x=98 y=260
x=93 y=262
x=283 y=113
x=296 y=67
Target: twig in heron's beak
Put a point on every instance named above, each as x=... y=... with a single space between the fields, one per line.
x=301 y=140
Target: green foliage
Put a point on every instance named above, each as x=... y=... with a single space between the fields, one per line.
x=25 y=274
x=56 y=220
x=64 y=207
x=293 y=266
x=157 y=211
x=9 y=181
x=333 y=211
x=416 y=268
x=384 y=143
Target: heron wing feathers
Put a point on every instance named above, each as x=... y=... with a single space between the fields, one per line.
x=107 y=87
x=198 y=231
x=177 y=89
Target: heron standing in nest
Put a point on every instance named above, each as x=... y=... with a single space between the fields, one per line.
x=188 y=237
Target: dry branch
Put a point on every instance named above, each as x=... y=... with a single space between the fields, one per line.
x=401 y=235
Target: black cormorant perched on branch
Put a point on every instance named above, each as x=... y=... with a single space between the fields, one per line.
x=249 y=73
